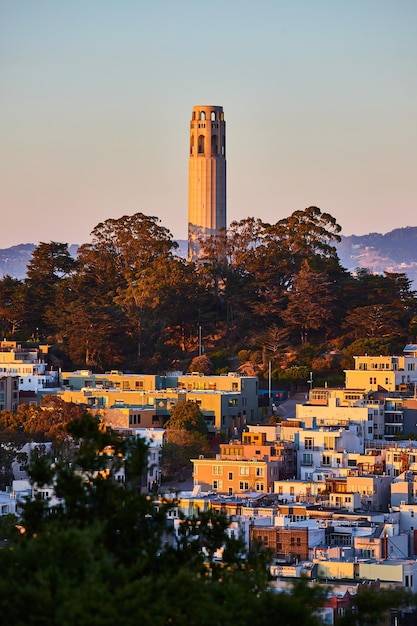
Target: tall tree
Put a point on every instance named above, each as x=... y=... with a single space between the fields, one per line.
x=13 y=306
x=50 y=264
x=133 y=255
x=310 y=302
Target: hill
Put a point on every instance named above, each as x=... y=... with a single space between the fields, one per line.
x=395 y=251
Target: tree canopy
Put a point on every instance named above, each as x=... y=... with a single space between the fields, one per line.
x=129 y=301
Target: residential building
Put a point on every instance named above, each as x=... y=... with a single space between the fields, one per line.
x=29 y=364
x=227 y=402
x=388 y=373
x=232 y=476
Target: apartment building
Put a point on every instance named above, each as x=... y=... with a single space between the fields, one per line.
x=341 y=407
x=29 y=364
x=227 y=402
x=232 y=476
x=389 y=373
x=288 y=543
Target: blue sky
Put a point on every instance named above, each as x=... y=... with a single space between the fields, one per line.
x=320 y=101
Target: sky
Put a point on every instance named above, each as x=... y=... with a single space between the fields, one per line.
x=319 y=98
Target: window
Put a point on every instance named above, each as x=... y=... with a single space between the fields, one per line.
x=218 y=469
x=201 y=144
x=230 y=475
x=244 y=470
x=259 y=487
x=259 y=471
x=217 y=484
x=139 y=384
x=243 y=485
x=280 y=491
x=329 y=443
x=308 y=443
x=291 y=491
x=326 y=459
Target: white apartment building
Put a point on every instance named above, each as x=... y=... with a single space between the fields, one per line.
x=29 y=365
x=336 y=409
x=321 y=448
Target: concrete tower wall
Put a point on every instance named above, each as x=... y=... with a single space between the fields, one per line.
x=207 y=176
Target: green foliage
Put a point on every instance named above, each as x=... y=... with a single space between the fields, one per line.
x=186 y=433
x=46 y=422
x=187 y=416
x=244 y=355
x=182 y=446
x=129 y=302
x=370 y=346
x=292 y=374
x=220 y=360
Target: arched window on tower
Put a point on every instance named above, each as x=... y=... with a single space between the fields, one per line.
x=193 y=115
x=223 y=146
x=213 y=116
x=214 y=144
x=202 y=115
x=201 y=144
x=192 y=144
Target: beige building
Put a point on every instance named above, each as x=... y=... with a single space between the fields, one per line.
x=227 y=402
x=388 y=373
x=207 y=176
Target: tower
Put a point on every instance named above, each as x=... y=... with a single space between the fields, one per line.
x=206 y=176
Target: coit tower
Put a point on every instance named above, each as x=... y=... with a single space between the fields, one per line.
x=207 y=176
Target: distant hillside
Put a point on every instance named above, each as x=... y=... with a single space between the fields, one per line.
x=394 y=252
x=14 y=260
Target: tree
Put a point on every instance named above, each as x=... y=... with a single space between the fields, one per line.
x=50 y=263
x=13 y=306
x=310 y=302
x=186 y=433
x=202 y=364
x=132 y=257
x=186 y=415
x=373 y=321
x=182 y=446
